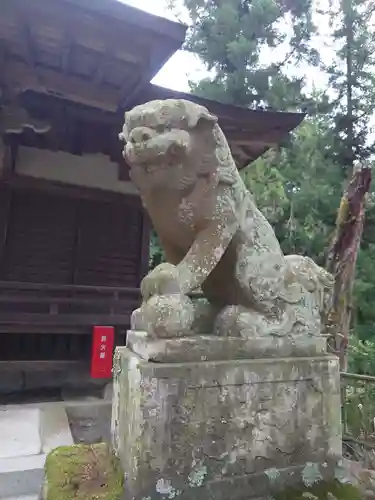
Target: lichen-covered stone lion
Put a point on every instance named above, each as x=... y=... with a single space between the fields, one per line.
x=214 y=237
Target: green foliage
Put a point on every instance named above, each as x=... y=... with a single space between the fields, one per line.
x=299 y=189
x=359 y=408
x=358 y=395
x=156 y=251
x=231 y=36
x=351 y=78
x=361 y=357
x=299 y=186
x=364 y=286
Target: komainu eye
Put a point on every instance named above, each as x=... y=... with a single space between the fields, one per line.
x=146 y=136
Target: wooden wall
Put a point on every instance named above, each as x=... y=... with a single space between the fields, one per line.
x=49 y=238
x=66 y=263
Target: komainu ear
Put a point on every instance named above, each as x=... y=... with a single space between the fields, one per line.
x=196 y=113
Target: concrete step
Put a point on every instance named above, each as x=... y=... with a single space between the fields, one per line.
x=27 y=497
x=27 y=435
x=54 y=428
x=21 y=476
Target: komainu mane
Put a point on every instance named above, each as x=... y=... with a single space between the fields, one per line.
x=214 y=237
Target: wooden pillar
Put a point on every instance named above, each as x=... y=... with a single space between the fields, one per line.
x=8 y=156
x=4 y=158
x=5 y=199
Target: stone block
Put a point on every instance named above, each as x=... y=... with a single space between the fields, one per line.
x=223 y=429
x=19 y=432
x=54 y=428
x=21 y=475
x=26 y=435
x=213 y=348
x=23 y=497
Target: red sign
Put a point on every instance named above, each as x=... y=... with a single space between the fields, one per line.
x=102 y=351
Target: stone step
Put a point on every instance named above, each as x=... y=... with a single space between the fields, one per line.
x=23 y=497
x=54 y=428
x=21 y=476
x=27 y=435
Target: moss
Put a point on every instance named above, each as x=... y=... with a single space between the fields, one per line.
x=322 y=491
x=342 y=213
x=82 y=472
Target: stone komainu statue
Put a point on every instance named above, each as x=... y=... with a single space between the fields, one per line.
x=214 y=237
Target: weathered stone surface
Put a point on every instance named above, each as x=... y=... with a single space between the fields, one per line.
x=213 y=234
x=220 y=429
x=212 y=348
x=194 y=414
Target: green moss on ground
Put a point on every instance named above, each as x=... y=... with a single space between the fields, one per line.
x=322 y=491
x=83 y=472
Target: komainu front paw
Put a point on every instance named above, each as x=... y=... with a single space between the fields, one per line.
x=163 y=280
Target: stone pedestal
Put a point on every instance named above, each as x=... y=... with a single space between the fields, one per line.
x=223 y=429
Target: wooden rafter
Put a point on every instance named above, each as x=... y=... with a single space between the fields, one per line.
x=144 y=79
x=66 y=86
x=67 y=50
x=104 y=62
x=28 y=43
x=87 y=32
x=118 y=42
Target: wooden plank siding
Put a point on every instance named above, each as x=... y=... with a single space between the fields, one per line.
x=32 y=306
x=66 y=264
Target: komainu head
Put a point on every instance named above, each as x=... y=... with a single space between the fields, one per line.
x=168 y=143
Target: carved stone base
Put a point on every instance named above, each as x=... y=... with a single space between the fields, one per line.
x=223 y=429
x=213 y=348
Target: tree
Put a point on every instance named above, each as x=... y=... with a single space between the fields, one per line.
x=364 y=285
x=231 y=36
x=299 y=189
x=342 y=259
x=352 y=80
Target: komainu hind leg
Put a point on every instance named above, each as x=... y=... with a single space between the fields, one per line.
x=239 y=321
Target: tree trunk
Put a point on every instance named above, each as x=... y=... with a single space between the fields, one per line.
x=342 y=259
